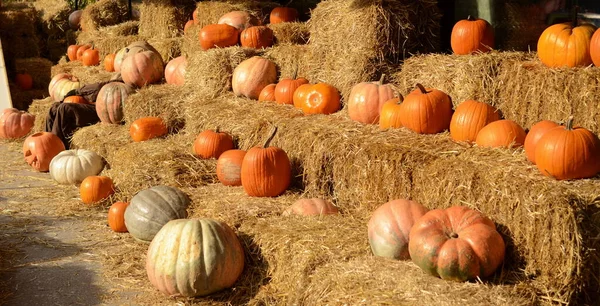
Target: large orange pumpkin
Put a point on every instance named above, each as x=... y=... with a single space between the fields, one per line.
x=175 y=70
x=109 y=62
x=131 y=49
x=311 y=207
x=472 y=35
x=534 y=135
x=142 y=69
x=266 y=171
x=284 y=91
x=469 y=118
x=390 y=113
x=116 y=217
x=366 y=100
x=90 y=57
x=320 y=98
x=252 y=75
x=257 y=37
x=568 y=152
x=501 y=134
x=595 y=48
x=94 y=189
x=229 y=167
x=61 y=84
x=267 y=93
x=426 y=110
x=566 y=44
x=218 y=35
x=110 y=101
x=147 y=128
x=457 y=244
x=211 y=144
x=389 y=228
x=40 y=148
x=283 y=14
x=15 y=123
x=239 y=19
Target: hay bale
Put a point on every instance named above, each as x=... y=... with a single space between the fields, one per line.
x=108 y=44
x=85 y=74
x=57 y=48
x=290 y=32
x=54 y=17
x=40 y=109
x=18 y=34
x=389 y=32
x=168 y=48
x=38 y=68
x=165 y=101
x=129 y=28
x=191 y=44
x=289 y=58
x=209 y=12
x=103 y=13
x=164 y=19
x=104 y=139
x=22 y=99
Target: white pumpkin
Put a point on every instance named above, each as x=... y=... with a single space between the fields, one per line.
x=73 y=166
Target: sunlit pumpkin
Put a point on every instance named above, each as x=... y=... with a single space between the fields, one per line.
x=15 y=123
x=229 y=167
x=469 y=118
x=72 y=52
x=40 y=148
x=131 y=49
x=320 y=98
x=311 y=207
x=94 y=189
x=116 y=217
x=142 y=69
x=595 y=48
x=61 y=84
x=109 y=62
x=566 y=44
x=252 y=75
x=534 y=135
x=73 y=166
x=75 y=99
x=147 y=128
x=366 y=100
x=426 y=111
x=175 y=70
x=82 y=49
x=218 y=36
x=110 y=102
x=211 y=144
x=267 y=94
x=501 y=134
x=472 y=35
x=257 y=37
x=90 y=57
x=284 y=90
x=390 y=114
x=240 y=20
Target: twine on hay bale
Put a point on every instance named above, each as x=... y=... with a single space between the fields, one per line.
x=85 y=74
x=40 y=109
x=164 y=19
x=389 y=32
x=19 y=37
x=39 y=69
x=165 y=101
x=104 y=139
x=108 y=44
x=290 y=32
x=289 y=58
x=168 y=48
x=209 y=12
x=103 y=13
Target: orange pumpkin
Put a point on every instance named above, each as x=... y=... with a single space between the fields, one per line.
x=501 y=134
x=389 y=228
x=469 y=118
x=109 y=62
x=535 y=134
x=457 y=244
x=72 y=52
x=82 y=49
x=595 y=48
x=90 y=57
x=252 y=75
x=239 y=19
x=566 y=44
x=283 y=14
x=116 y=217
x=229 y=167
x=75 y=99
x=195 y=16
x=472 y=35
x=211 y=144
x=268 y=93
x=257 y=37
x=567 y=152
x=366 y=100
x=284 y=91
x=15 y=123
x=94 y=189
x=390 y=114
x=175 y=70
x=142 y=69
x=147 y=128
x=188 y=25
x=266 y=171
x=426 y=110
x=24 y=81
x=311 y=207
x=40 y=148
x=218 y=35
x=320 y=98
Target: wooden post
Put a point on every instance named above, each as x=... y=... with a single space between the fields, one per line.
x=5 y=98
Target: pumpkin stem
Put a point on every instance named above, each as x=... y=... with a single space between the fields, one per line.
x=421 y=88
x=453 y=235
x=400 y=99
x=218 y=129
x=569 y=125
x=470 y=18
x=381 y=79
x=266 y=145
x=295 y=72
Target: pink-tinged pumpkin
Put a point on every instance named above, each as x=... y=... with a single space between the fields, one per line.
x=389 y=228
x=252 y=75
x=133 y=48
x=175 y=70
x=142 y=69
x=239 y=19
x=456 y=244
x=426 y=111
x=15 y=123
x=311 y=207
x=469 y=118
x=534 y=135
x=61 y=84
x=75 y=19
x=229 y=167
x=284 y=90
x=40 y=148
x=472 y=35
x=211 y=144
x=194 y=257
x=110 y=101
x=501 y=134
x=188 y=25
x=366 y=100
x=566 y=44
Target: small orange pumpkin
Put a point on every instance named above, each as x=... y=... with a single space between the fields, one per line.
x=257 y=37
x=501 y=134
x=116 y=217
x=109 y=62
x=535 y=134
x=284 y=91
x=229 y=167
x=211 y=144
x=472 y=35
x=94 y=189
x=595 y=48
x=82 y=49
x=320 y=98
x=75 y=99
x=72 y=52
x=147 y=128
x=218 y=35
x=469 y=118
x=390 y=113
x=283 y=14
x=90 y=57
x=311 y=207
x=426 y=110
x=267 y=94
x=24 y=81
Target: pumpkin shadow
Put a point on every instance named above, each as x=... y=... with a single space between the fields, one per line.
x=297 y=181
x=511 y=271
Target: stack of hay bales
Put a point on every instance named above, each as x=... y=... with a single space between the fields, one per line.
x=18 y=32
x=54 y=25
x=40 y=71
x=103 y=13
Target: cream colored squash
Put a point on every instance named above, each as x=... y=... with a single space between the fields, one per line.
x=73 y=166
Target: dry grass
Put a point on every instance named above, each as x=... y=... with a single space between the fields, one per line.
x=164 y=19
x=103 y=13
x=290 y=32
x=168 y=48
x=290 y=59
x=85 y=74
x=40 y=109
x=191 y=44
x=38 y=68
x=107 y=44
x=18 y=34
x=129 y=28
x=104 y=139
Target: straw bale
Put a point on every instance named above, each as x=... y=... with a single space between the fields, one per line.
x=290 y=59
x=38 y=68
x=107 y=44
x=209 y=12
x=40 y=109
x=22 y=99
x=56 y=49
x=18 y=33
x=104 y=139
x=209 y=72
x=129 y=28
x=85 y=74
x=389 y=31
x=290 y=32
x=103 y=13
x=54 y=16
x=164 y=19
x=168 y=48
x=191 y=44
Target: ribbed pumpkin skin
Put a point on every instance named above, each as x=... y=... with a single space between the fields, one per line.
x=229 y=167
x=82 y=49
x=595 y=48
x=110 y=101
x=266 y=172
x=142 y=69
x=175 y=70
x=283 y=14
x=75 y=99
x=535 y=134
x=40 y=148
x=152 y=208
x=469 y=118
x=470 y=36
x=426 y=113
x=116 y=217
x=501 y=134
x=94 y=189
x=15 y=123
x=568 y=154
x=109 y=62
x=133 y=48
x=61 y=84
x=366 y=101
x=239 y=19
x=147 y=128
x=564 y=45
x=311 y=207
x=267 y=94
x=390 y=114
x=477 y=251
x=389 y=228
x=72 y=52
x=73 y=166
x=257 y=37
x=194 y=257
x=284 y=90
x=211 y=144
x=218 y=35
x=252 y=75
x=320 y=98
